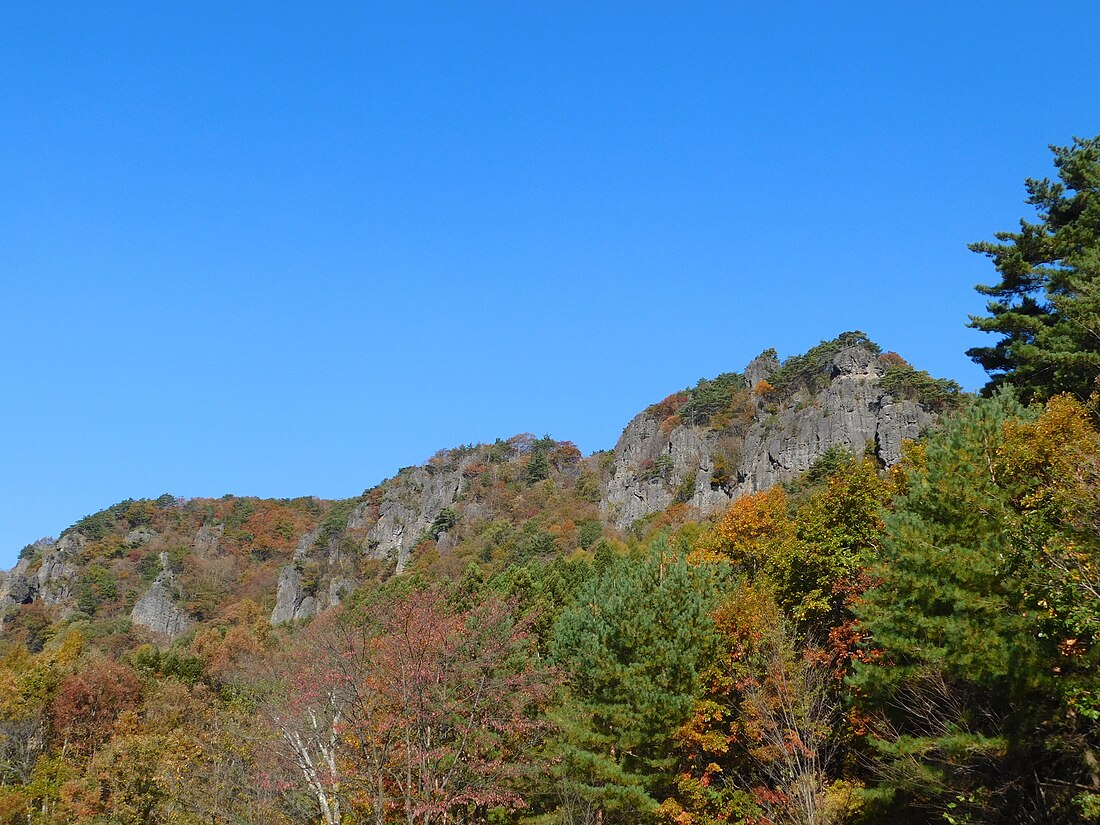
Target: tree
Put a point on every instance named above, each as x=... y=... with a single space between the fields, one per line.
x=982 y=675
x=538 y=468
x=457 y=690
x=1046 y=306
x=632 y=647
x=417 y=711
x=88 y=702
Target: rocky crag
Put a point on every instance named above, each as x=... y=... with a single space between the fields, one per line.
x=170 y=565
x=774 y=436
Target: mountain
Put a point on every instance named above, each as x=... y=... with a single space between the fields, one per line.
x=159 y=568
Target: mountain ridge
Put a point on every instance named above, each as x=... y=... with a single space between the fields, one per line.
x=169 y=565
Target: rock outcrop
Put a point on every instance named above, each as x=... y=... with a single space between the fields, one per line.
x=653 y=468
x=157 y=609
x=385 y=526
x=47 y=572
x=293 y=600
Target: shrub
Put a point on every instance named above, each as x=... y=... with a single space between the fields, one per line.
x=336 y=520
x=538 y=468
x=98 y=525
x=720 y=477
x=763 y=388
x=829 y=463
x=905 y=383
x=446 y=519
x=710 y=398
x=95 y=587
x=589 y=533
x=685 y=492
x=810 y=371
x=652 y=469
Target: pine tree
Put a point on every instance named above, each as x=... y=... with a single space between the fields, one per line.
x=632 y=648
x=538 y=468
x=1046 y=306
x=981 y=686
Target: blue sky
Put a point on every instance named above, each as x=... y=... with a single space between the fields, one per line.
x=283 y=249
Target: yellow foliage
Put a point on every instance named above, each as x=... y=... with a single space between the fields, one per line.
x=1048 y=459
x=750 y=523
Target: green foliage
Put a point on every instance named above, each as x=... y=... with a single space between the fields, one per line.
x=150 y=566
x=709 y=398
x=970 y=667
x=176 y=555
x=685 y=491
x=30 y=552
x=99 y=525
x=654 y=469
x=811 y=370
x=533 y=544
x=446 y=520
x=95 y=587
x=721 y=477
x=587 y=487
x=499 y=451
x=905 y=383
x=814 y=569
x=632 y=647
x=538 y=468
x=830 y=462
x=167 y=663
x=589 y=532
x=1046 y=307
x=241 y=511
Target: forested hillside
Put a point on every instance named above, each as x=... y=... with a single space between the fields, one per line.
x=832 y=589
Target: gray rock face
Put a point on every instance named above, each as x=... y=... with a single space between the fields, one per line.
x=390 y=528
x=291 y=600
x=49 y=575
x=652 y=469
x=761 y=368
x=207 y=540
x=140 y=535
x=157 y=609
x=771 y=438
x=408 y=508
x=16 y=589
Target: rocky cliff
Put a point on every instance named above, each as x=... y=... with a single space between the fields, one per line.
x=662 y=459
x=169 y=565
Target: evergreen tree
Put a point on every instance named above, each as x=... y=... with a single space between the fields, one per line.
x=632 y=648
x=538 y=468
x=1046 y=306
x=982 y=689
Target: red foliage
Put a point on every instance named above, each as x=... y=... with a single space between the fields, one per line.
x=670 y=405
x=88 y=702
x=430 y=713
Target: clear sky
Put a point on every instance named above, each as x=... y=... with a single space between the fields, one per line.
x=284 y=249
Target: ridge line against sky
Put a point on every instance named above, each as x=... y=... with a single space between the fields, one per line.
x=282 y=251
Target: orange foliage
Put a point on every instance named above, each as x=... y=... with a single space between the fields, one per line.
x=475 y=468
x=749 y=523
x=892 y=359
x=669 y=424
x=564 y=454
x=763 y=388
x=675 y=515
x=670 y=405
x=1048 y=459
